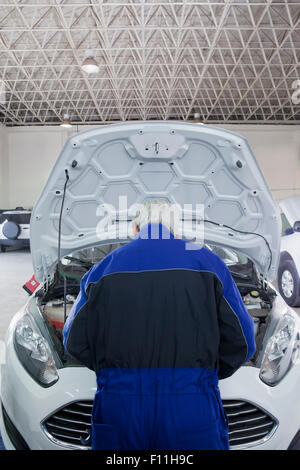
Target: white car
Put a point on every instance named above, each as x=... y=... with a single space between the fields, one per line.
x=47 y=397
x=14 y=228
x=289 y=264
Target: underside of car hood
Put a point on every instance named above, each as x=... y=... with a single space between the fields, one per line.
x=179 y=162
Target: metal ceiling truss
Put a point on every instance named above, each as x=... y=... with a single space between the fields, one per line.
x=231 y=61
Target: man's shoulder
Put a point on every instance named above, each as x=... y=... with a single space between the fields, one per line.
x=210 y=261
x=201 y=257
x=107 y=265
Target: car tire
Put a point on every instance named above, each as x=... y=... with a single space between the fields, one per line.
x=2 y=248
x=289 y=283
x=11 y=230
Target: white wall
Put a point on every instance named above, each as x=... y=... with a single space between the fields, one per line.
x=27 y=155
x=3 y=169
x=31 y=155
x=277 y=149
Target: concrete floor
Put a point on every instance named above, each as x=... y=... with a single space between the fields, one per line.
x=15 y=270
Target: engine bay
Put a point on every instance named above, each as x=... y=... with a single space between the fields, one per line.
x=56 y=304
x=57 y=300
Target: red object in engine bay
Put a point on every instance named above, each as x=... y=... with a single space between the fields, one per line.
x=31 y=285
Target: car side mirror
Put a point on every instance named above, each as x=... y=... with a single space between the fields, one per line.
x=296 y=227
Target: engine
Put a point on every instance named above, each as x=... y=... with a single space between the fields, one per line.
x=259 y=308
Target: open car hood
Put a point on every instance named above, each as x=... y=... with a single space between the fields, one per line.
x=180 y=162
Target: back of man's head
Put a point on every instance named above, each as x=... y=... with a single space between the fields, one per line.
x=156 y=211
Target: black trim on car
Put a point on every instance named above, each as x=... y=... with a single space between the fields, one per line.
x=15 y=437
x=19 y=217
x=19 y=242
x=295 y=444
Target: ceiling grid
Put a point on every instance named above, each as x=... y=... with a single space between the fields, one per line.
x=229 y=61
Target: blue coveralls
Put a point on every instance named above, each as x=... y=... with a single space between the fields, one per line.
x=159 y=325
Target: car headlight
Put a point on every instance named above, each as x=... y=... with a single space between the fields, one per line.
x=34 y=352
x=281 y=352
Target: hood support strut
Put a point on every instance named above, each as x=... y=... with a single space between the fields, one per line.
x=59 y=243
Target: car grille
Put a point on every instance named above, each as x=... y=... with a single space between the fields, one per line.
x=247 y=423
x=71 y=424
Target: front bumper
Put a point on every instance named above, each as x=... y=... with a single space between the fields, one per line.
x=28 y=404
x=20 y=394
x=12 y=435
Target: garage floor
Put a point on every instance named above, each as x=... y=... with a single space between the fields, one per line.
x=15 y=270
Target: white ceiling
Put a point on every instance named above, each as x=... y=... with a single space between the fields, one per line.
x=229 y=60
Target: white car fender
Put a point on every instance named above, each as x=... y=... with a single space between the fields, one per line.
x=290 y=244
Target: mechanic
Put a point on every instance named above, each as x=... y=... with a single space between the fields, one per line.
x=159 y=324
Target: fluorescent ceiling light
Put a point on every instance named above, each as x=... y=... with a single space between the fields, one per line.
x=89 y=64
x=66 y=123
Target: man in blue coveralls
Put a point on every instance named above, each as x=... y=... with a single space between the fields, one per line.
x=159 y=325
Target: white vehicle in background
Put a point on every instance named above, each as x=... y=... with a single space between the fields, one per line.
x=46 y=396
x=14 y=228
x=289 y=264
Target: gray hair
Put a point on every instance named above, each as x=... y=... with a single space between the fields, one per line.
x=158 y=211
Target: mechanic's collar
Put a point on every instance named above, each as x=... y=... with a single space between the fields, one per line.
x=155 y=232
